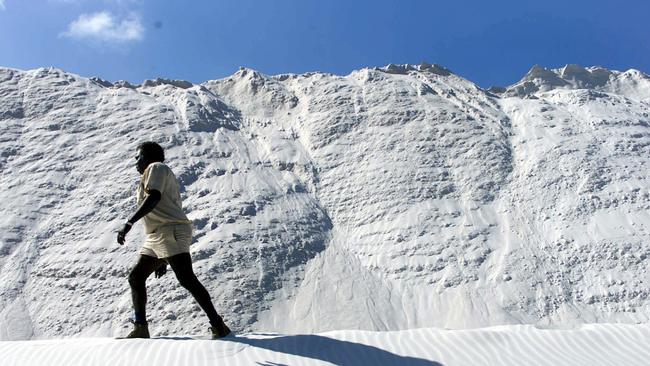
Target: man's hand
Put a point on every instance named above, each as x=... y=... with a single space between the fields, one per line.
x=121 y=235
x=161 y=270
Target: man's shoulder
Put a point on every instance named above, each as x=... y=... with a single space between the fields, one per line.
x=158 y=166
x=158 y=169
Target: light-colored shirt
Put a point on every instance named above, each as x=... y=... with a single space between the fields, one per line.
x=169 y=210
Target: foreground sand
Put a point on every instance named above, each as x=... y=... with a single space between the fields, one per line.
x=598 y=344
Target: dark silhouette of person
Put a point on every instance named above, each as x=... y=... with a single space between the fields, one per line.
x=168 y=238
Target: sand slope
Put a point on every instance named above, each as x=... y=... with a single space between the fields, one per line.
x=602 y=344
x=389 y=199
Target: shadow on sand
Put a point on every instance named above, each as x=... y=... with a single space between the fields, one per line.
x=330 y=350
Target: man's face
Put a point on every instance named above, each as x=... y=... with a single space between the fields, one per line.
x=141 y=161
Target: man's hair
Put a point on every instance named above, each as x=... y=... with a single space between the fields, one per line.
x=152 y=151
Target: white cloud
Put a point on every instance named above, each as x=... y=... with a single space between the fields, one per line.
x=2 y=4
x=103 y=26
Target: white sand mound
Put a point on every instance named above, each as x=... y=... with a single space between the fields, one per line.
x=602 y=344
x=388 y=199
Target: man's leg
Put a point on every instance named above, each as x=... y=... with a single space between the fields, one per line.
x=182 y=266
x=144 y=268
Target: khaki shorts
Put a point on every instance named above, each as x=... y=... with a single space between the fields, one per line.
x=167 y=241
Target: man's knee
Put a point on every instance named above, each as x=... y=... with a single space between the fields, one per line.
x=189 y=282
x=134 y=278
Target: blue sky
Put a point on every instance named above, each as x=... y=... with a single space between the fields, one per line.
x=489 y=42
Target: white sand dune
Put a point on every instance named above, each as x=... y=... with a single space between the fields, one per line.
x=601 y=344
x=396 y=198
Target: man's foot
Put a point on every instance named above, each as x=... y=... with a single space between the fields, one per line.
x=219 y=331
x=140 y=330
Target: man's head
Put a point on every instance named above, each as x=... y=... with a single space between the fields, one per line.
x=148 y=152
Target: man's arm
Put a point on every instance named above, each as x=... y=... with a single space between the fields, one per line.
x=149 y=203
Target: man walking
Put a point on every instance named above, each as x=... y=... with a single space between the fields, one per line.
x=168 y=239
